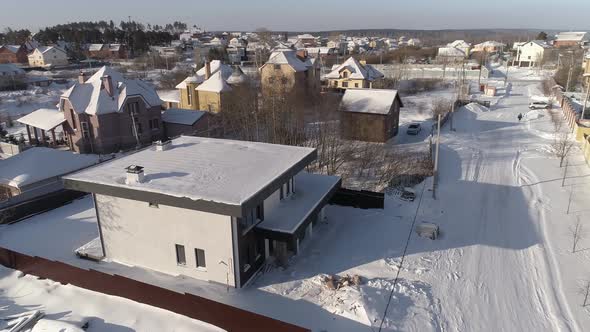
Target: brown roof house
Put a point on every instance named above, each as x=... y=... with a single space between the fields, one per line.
x=13 y=54
x=107 y=113
x=107 y=51
x=370 y=115
x=287 y=70
x=179 y=122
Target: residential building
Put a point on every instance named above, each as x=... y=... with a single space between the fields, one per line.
x=106 y=113
x=11 y=76
x=107 y=51
x=187 y=122
x=48 y=56
x=370 y=115
x=414 y=42
x=533 y=53
x=456 y=51
x=353 y=74
x=489 y=47
x=290 y=70
x=13 y=54
x=571 y=39
x=307 y=40
x=210 y=209
x=206 y=89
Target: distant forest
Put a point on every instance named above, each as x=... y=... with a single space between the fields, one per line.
x=137 y=35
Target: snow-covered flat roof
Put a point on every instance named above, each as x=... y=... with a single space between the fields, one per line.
x=38 y=164
x=182 y=116
x=44 y=118
x=310 y=191
x=374 y=101
x=205 y=171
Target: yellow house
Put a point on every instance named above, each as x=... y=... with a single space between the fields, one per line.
x=286 y=70
x=189 y=97
x=212 y=93
x=353 y=74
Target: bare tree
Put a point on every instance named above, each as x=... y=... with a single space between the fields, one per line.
x=577 y=232
x=584 y=290
x=562 y=146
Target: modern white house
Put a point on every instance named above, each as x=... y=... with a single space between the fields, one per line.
x=211 y=209
x=531 y=54
x=48 y=56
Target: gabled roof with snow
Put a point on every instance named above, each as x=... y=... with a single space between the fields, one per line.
x=459 y=44
x=490 y=43
x=45 y=49
x=286 y=57
x=44 y=118
x=90 y=97
x=95 y=47
x=202 y=170
x=572 y=36
x=215 y=83
x=182 y=116
x=357 y=70
x=452 y=52
x=201 y=74
x=237 y=77
x=38 y=164
x=305 y=36
x=11 y=48
x=170 y=96
x=373 y=101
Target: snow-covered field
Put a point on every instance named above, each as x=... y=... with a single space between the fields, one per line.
x=503 y=261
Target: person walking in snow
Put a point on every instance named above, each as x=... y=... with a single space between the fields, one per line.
x=519 y=117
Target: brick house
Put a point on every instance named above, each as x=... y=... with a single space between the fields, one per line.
x=571 y=39
x=107 y=113
x=288 y=70
x=13 y=54
x=370 y=115
x=107 y=51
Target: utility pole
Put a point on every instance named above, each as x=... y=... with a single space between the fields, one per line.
x=435 y=173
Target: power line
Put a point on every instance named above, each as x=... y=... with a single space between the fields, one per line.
x=403 y=258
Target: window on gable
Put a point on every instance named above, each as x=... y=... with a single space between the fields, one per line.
x=189 y=95
x=133 y=107
x=73 y=116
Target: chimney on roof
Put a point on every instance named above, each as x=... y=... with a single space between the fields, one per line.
x=82 y=77
x=107 y=83
x=363 y=62
x=301 y=54
x=134 y=174
x=163 y=145
x=207 y=70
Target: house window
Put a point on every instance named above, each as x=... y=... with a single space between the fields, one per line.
x=85 y=129
x=189 y=96
x=277 y=67
x=200 y=258
x=260 y=212
x=133 y=107
x=344 y=74
x=154 y=205
x=282 y=194
x=345 y=84
x=180 y=257
x=154 y=124
x=356 y=85
x=74 y=124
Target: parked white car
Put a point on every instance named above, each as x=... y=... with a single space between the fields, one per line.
x=538 y=105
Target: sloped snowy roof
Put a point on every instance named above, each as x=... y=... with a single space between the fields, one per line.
x=91 y=97
x=459 y=44
x=182 y=116
x=95 y=47
x=571 y=36
x=44 y=118
x=357 y=70
x=201 y=74
x=38 y=164
x=170 y=96
x=202 y=169
x=451 y=51
x=237 y=77
x=287 y=57
x=490 y=43
x=374 y=101
x=215 y=83
x=45 y=49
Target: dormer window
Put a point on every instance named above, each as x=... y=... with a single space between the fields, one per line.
x=344 y=74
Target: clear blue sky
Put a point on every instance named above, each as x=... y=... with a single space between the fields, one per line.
x=308 y=15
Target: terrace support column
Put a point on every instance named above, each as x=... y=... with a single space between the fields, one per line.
x=29 y=134
x=43 y=136
x=53 y=136
x=36 y=135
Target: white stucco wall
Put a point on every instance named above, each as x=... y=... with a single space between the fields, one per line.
x=136 y=234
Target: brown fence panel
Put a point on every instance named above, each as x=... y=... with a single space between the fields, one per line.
x=215 y=313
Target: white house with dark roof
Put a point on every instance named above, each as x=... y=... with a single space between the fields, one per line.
x=532 y=53
x=210 y=209
x=48 y=56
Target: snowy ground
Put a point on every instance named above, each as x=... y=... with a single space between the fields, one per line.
x=65 y=303
x=503 y=261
